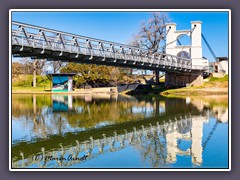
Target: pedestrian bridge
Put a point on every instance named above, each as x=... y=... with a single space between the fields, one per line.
x=43 y=43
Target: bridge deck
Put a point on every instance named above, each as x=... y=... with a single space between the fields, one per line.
x=42 y=43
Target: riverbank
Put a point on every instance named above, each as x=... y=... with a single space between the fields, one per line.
x=170 y=92
x=211 y=86
x=195 y=92
x=42 y=90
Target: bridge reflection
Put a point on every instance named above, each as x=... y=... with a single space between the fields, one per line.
x=157 y=134
x=158 y=142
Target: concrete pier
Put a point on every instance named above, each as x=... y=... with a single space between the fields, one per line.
x=173 y=79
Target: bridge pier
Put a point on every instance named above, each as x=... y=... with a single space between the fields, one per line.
x=157 y=76
x=173 y=79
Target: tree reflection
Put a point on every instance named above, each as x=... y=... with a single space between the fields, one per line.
x=104 y=120
x=154 y=150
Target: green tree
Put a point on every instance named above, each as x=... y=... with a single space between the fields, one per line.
x=93 y=74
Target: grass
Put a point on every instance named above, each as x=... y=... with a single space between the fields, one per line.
x=23 y=83
x=214 y=82
x=29 y=89
x=213 y=86
x=27 y=81
x=215 y=79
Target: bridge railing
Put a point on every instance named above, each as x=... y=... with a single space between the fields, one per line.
x=199 y=67
x=28 y=36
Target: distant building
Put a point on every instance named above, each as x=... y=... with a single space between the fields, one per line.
x=220 y=66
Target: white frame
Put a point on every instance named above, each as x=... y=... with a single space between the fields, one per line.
x=119 y=10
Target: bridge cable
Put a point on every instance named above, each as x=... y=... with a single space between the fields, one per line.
x=210 y=135
x=212 y=52
x=179 y=42
x=209 y=47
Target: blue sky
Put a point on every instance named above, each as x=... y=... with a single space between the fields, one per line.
x=121 y=26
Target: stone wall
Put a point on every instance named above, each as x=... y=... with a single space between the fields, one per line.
x=173 y=79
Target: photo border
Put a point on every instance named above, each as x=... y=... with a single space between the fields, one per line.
x=121 y=10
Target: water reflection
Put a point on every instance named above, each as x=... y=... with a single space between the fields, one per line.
x=72 y=131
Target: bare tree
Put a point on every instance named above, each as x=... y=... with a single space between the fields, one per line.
x=16 y=68
x=152 y=35
x=115 y=74
x=30 y=65
x=27 y=66
x=39 y=65
x=33 y=66
x=57 y=65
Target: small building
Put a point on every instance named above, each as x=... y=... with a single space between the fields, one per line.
x=220 y=66
x=62 y=82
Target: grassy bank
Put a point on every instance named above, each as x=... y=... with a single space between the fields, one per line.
x=211 y=86
x=19 y=89
x=27 y=81
x=23 y=83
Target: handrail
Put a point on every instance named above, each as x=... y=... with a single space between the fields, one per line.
x=83 y=37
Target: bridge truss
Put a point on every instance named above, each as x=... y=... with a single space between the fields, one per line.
x=42 y=43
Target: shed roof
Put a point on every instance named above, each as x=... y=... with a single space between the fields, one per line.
x=62 y=74
x=222 y=58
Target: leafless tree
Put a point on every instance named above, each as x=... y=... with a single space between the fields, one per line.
x=17 y=68
x=27 y=66
x=115 y=73
x=38 y=65
x=33 y=66
x=152 y=33
x=57 y=65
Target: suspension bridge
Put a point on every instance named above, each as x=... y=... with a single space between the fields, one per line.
x=44 y=43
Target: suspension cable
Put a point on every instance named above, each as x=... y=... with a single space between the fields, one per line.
x=209 y=47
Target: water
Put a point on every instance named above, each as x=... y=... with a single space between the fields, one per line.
x=114 y=131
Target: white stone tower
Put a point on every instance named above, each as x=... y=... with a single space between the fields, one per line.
x=196 y=44
x=194 y=49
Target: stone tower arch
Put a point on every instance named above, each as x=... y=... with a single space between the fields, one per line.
x=184 y=37
x=184 y=54
x=194 y=49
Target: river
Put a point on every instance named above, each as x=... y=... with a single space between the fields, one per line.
x=116 y=131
